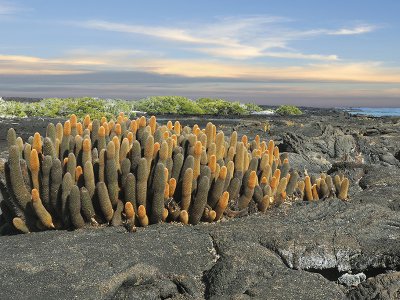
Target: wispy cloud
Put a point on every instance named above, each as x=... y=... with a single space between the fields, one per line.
x=368 y=72
x=235 y=38
x=353 y=31
x=8 y=8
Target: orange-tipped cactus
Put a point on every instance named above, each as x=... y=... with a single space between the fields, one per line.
x=153 y=124
x=67 y=128
x=161 y=172
x=184 y=217
x=142 y=216
x=344 y=188
x=172 y=187
x=86 y=121
x=222 y=205
x=129 y=211
x=177 y=128
x=41 y=212
x=212 y=163
x=118 y=129
x=245 y=140
x=245 y=199
x=37 y=142
x=187 y=189
x=217 y=187
x=308 y=189
x=35 y=165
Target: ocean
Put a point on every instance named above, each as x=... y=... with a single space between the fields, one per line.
x=375 y=111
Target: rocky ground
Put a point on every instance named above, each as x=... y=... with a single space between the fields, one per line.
x=321 y=250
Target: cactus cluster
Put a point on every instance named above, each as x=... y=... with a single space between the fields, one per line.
x=138 y=172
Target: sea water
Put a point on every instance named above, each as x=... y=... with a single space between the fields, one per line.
x=375 y=111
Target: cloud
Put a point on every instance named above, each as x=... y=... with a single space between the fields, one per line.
x=333 y=71
x=353 y=31
x=234 y=38
x=7 y=8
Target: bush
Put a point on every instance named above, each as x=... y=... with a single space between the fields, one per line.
x=285 y=110
x=168 y=105
x=224 y=107
x=220 y=107
x=57 y=107
x=251 y=107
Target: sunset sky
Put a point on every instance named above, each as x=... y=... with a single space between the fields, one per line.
x=317 y=53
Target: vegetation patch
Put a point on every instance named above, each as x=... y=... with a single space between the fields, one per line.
x=286 y=110
x=63 y=107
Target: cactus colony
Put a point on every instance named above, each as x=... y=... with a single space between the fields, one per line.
x=138 y=172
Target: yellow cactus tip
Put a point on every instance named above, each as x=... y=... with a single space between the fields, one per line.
x=141 y=211
x=166 y=173
x=142 y=121
x=223 y=172
x=133 y=126
x=198 y=148
x=118 y=129
x=78 y=172
x=86 y=120
x=166 y=191
x=35 y=195
x=102 y=131
x=79 y=128
x=156 y=147
x=169 y=125
x=34 y=160
x=212 y=163
x=130 y=137
x=165 y=214
x=129 y=211
x=67 y=128
x=184 y=217
x=264 y=180
x=86 y=145
x=212 y=215
x=115 y=140
x=252 y=179
x=172 y=186
x=224 y=200
x=73 y=120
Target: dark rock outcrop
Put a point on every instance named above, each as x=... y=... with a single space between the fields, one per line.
x=300 y=250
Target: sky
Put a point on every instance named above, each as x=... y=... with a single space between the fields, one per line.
x=309 y=52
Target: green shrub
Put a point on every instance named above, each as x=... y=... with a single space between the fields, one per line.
x=285 y=110
x=220 y=107
x=251 y=107
x=224 y=107
x=168 y=105
x=57 y=107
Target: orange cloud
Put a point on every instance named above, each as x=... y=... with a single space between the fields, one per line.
x=371 y=72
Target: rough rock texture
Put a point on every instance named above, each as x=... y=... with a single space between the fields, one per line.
x=384 y=286
x=297 y=251
x=272 y=256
